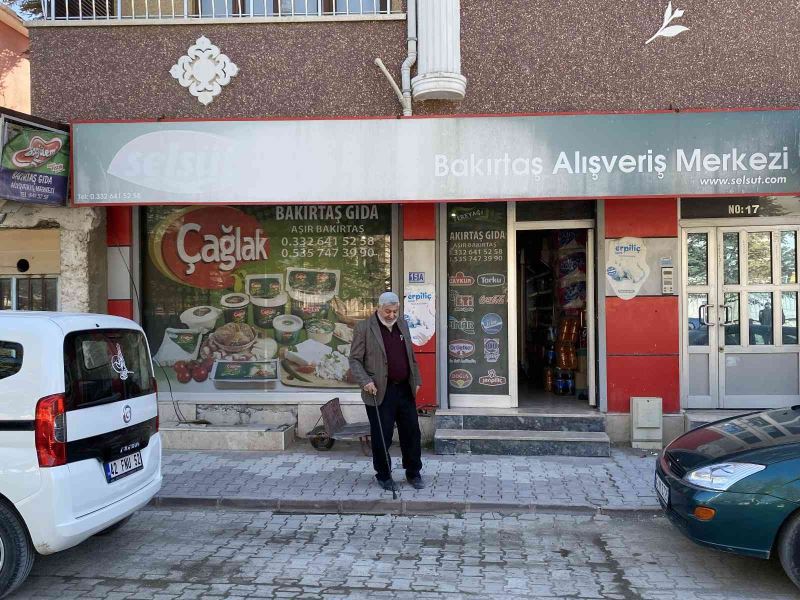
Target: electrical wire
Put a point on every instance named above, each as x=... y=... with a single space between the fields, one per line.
x=178 y=412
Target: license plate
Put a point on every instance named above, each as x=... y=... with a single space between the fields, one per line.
x=662 y=489
x=117 y=469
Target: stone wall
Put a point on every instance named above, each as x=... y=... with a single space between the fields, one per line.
x=82 y=281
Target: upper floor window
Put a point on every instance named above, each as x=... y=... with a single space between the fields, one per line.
x=219 y=9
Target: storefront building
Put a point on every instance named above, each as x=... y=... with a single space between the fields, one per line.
x=565 y=268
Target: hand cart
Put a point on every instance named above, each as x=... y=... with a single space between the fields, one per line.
x=335 y=427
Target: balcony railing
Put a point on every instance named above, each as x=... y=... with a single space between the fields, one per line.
x=127 y=10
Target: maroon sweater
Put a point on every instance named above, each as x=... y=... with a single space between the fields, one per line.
x=396 y=357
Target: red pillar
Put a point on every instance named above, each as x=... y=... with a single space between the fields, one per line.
x=642 y=334
x=119 y=239
x=419 y=223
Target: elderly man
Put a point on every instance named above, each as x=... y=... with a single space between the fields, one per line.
x=383 y=363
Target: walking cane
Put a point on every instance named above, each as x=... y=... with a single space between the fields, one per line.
x=385 y=450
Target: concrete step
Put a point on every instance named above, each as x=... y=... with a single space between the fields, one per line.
x=180 y=436
x=514 y=419
x=698 y=418
x=522 y=442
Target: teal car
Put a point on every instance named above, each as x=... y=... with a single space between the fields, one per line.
x=734 y=485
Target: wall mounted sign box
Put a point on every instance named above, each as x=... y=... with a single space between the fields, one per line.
x=427 y=159
x=35 y=159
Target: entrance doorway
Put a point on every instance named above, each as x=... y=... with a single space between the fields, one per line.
x=555 y=295
x=740 y=342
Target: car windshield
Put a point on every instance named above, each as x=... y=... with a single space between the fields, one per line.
x=105 y=366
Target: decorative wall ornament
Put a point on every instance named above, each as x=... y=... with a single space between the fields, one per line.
x=204 y=70
x=668 y=30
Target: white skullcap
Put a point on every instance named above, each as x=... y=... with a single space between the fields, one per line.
x=388 y=298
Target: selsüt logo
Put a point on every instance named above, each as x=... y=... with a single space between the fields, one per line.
x=491 y=279
x=37 y=153
x=461 y=348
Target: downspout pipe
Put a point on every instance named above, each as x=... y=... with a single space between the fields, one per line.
x=411 y=59
x=404 y=95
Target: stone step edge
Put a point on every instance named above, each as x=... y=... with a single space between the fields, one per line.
x=195 y=428
x=522 y=435
x=397 y=507
x=454 y=412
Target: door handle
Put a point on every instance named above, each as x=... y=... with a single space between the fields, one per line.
x=727 y=309
x=704 y=319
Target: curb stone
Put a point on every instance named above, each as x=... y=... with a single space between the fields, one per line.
x=395 y=507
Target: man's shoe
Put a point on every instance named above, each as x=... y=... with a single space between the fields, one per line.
x=387 y=484
x=416 y=482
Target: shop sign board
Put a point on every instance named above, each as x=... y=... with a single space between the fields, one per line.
x=34 y=166
x=754 y=207
x=477 y=342
x=705 y=153
x=249 y=299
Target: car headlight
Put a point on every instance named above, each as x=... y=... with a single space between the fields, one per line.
x=721 y=476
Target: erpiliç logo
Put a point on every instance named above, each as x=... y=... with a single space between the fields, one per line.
x=419 y=297
x=625 y=248
x=37 y=153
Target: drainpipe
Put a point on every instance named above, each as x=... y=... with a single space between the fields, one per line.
x=404 y=95
x=411 y=58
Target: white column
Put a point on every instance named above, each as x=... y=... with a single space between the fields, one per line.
x=439 y=51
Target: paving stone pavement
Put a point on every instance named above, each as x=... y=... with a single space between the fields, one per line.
x=622 y=481
x=183 y=554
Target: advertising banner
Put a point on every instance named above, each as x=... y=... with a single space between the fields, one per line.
x=626 y=267
x=35 y=163
x=477 y=299
x=428 y=159
x=261 y=298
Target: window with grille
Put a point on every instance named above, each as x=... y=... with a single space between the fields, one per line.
x=29 y=293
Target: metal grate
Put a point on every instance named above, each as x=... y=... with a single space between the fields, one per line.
x=93 y=10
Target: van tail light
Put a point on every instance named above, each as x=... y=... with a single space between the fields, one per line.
x=154 y=385
x=51 y=431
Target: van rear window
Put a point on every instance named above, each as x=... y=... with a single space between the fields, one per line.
x=10 y=359
x=106 y=365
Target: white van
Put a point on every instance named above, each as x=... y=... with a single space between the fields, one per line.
x=79 y=443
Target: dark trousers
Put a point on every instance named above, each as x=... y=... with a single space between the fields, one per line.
x=398 y=406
